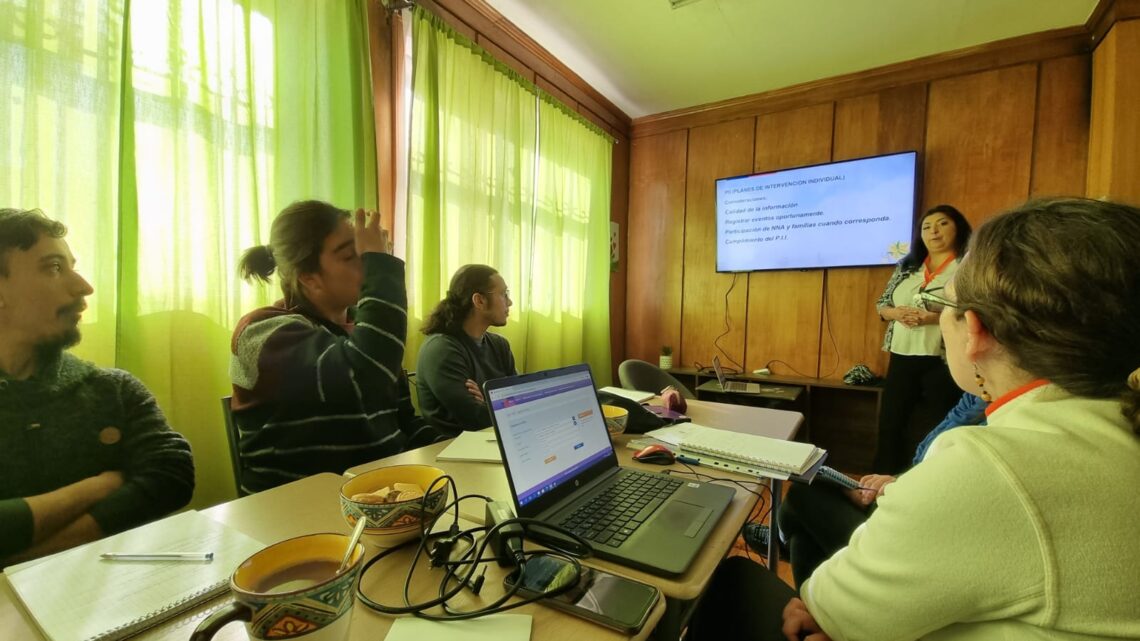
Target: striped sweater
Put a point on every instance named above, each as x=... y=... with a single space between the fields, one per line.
x=315 y=396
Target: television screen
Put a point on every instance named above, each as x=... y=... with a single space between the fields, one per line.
x=840 y=214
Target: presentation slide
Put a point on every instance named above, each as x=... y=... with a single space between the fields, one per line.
x=857 y=212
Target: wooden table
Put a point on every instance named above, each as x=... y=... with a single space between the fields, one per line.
x=311 y=505
x=490 y=479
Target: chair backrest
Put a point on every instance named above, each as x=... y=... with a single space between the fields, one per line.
x=232 y=437
x=647 y=377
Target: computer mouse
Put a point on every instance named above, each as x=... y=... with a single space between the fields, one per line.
x=656 y=454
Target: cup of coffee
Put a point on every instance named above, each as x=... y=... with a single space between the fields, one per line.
x=292 y=589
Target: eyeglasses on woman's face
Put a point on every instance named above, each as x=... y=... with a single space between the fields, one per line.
x=935 y=301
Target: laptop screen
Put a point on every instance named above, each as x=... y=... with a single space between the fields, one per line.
x=719 y=371
x=550 y=429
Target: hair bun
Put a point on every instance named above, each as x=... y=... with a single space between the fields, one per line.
x=1134 y=379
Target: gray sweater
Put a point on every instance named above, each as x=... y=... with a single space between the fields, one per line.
x=57 y=428
x=445 y=363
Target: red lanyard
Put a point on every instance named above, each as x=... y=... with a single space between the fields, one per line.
x=928 y=276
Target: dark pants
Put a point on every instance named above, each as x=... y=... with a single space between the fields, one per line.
x=743 y=598
x=918 y=391
x=816 y=521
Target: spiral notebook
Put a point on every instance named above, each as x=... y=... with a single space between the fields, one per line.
x=77 y=596
x=788 y=457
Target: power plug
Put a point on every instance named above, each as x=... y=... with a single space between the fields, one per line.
x=763 y=371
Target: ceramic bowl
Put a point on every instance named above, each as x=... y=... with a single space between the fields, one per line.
x=390 y=524
x=616 y=418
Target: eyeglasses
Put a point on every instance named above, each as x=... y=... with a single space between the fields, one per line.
x=506 y=293
x=936 y=302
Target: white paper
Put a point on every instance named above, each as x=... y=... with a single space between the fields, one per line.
x=481 y=447
x=494 y=627
x=634 y=395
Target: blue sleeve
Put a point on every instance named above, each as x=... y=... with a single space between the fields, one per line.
x=970 y=410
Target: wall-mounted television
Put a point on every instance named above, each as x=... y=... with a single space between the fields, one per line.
x=842 y=214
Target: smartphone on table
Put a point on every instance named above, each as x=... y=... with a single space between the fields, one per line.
x=610 y=600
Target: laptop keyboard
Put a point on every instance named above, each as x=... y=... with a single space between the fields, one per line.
x=737 y=386
x=614 y=515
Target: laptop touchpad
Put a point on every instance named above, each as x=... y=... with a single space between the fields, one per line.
x=683 y=517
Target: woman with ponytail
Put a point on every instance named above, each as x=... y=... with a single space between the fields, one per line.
x=317 y=378
x=459 y=354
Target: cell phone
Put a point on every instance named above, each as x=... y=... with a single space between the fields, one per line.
x=607 y=599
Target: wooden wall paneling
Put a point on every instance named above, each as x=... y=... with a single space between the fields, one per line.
x=1114 y=146
x=381 y=48
x=784 y=307
x=655 y=244
x=1061 y=139
x=1003 y=53
x=880 y=123
x=619 y=213
x=979 y=141
x=714 y=152
x=1107 y=13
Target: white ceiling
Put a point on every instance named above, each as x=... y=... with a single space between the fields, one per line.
x=648 y=58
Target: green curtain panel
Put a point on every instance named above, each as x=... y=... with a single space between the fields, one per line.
x=500 y=176
x=167 y=134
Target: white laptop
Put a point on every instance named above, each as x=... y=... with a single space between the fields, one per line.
x=738 y=387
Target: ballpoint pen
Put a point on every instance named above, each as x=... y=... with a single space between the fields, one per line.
x=158 y=556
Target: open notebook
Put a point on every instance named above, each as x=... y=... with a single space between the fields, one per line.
x=77 y=596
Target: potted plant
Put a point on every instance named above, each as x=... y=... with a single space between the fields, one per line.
x=666 y=359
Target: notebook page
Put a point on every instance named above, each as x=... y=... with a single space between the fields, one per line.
x=75 y=595
x=788 y=456
x=636 y=396
x=481 y=446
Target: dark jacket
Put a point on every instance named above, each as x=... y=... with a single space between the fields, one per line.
x=314 y=396
x=73 y=420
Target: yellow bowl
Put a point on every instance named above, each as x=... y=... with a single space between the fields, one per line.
x=616 y=418
x=390 y=524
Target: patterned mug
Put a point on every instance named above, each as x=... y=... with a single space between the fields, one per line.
x=292 y=590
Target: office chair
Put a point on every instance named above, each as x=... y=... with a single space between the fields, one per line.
x=647 y=377
x=232 y=437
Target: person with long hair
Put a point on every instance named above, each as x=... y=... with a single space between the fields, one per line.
x=918 y=386
x=317 y=379
x=459 y=354
x=1025 y=528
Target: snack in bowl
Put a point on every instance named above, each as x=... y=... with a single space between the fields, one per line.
x=392 y=501
x=616 y=418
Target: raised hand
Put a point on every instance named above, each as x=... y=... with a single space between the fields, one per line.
x=370 y=236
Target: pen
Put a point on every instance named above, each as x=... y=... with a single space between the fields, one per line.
x=158 y=556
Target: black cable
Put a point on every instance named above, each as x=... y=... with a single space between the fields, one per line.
x=827 y=320
x=728 y=326
x=739 y=483
x=454 y=580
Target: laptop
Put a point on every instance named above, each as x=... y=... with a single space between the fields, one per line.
x=732 y=386
x=562 y=469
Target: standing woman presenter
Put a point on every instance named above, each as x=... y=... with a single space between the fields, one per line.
x=918 y=381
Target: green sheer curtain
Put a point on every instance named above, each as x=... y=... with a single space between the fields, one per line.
x=498 y=175
x=166 y=134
